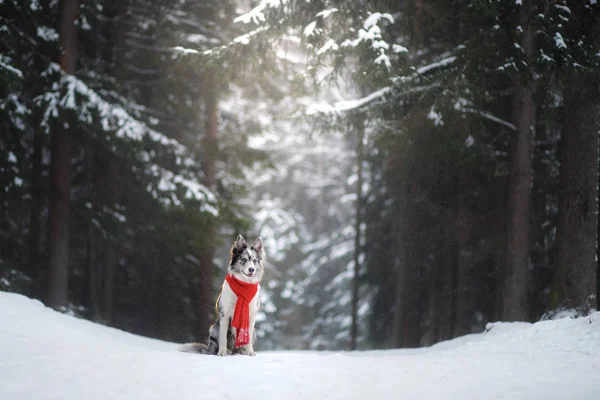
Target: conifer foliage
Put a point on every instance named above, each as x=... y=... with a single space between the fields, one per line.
x=104 y=185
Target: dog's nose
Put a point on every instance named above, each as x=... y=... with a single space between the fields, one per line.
x=251 y=270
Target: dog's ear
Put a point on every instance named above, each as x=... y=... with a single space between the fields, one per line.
x=258 y=246
x=236 y=250
x=240 y=243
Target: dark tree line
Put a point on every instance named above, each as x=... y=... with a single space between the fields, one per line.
x=487 y=228
x=518 y=241
x=111 y=202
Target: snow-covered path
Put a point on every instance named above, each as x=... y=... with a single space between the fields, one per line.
x=47 y=355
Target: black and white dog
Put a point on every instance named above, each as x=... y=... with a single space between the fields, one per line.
x=246 y=265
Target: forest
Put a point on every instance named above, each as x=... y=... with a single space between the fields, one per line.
x=415 y=168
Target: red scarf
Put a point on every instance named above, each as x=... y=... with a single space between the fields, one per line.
x=245 y=292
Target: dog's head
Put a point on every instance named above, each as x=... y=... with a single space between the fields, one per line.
x=247 y=263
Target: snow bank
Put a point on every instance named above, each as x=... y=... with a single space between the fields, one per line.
x=47 y=355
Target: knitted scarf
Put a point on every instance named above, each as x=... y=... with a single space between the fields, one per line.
x=245 y=292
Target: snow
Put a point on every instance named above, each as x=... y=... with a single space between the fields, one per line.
x=442 y=63
x=197 y=38
x=185 y=50
x=345 y=105
x=309 y=29
x=256 y=15
x=371 y=33
x=396 y=48
x=329 y=45
x=383 y=59
x=46 y=33
x=491 y=117
x=47 y=355
x=5 y=63
x=245 y=38
x=373 y=19
x=559 y=41
x=469 y=141
x=326 y=13
x=564 y=8
x=436 y=117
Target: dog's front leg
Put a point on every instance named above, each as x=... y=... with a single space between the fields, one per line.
x=249 y=348
x=223 y=327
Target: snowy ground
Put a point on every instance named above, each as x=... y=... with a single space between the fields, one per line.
x=47 y=355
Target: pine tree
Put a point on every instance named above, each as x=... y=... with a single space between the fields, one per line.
x=571 y=51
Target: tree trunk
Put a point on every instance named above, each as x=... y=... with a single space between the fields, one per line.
x=92 y=271
x=463 y=295
x=447 y=287
x=406 y=313
x=411 y=301
x=58 y=220
x=447 y=278
x=514 y=296
x=357 y=223
x=417 y=24
x=210 y=150
x=574 y=280
x=60 y=174
x=111 y=260
x=400 y=270
x=35 y=210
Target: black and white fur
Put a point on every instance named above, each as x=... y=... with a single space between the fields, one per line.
x=245 y=264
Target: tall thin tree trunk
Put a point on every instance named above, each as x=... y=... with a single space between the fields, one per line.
x=60 y=173
x=35 y=210
x=463 y=299
x=516 y=274
x=210 y=150
x=574 y=280
x=410 y=300
x=407 y=290
x=111 y=260
x=446 y=279
x=417 y=22
x=92 y=271
x=400 y=271
x=447 y=287
x=58 y=220
x=357 y=223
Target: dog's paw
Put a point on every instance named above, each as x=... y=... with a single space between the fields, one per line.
x=222 y=353
x=246 y=352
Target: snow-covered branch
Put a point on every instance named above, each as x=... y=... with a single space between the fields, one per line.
x=345 y=105
x=71 y=93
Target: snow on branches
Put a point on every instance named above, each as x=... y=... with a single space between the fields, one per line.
x=370 y=34
x=70 y=93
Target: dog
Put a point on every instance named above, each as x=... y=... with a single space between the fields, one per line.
x=246 y=270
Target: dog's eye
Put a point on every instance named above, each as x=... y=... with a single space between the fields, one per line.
x=244 y=260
